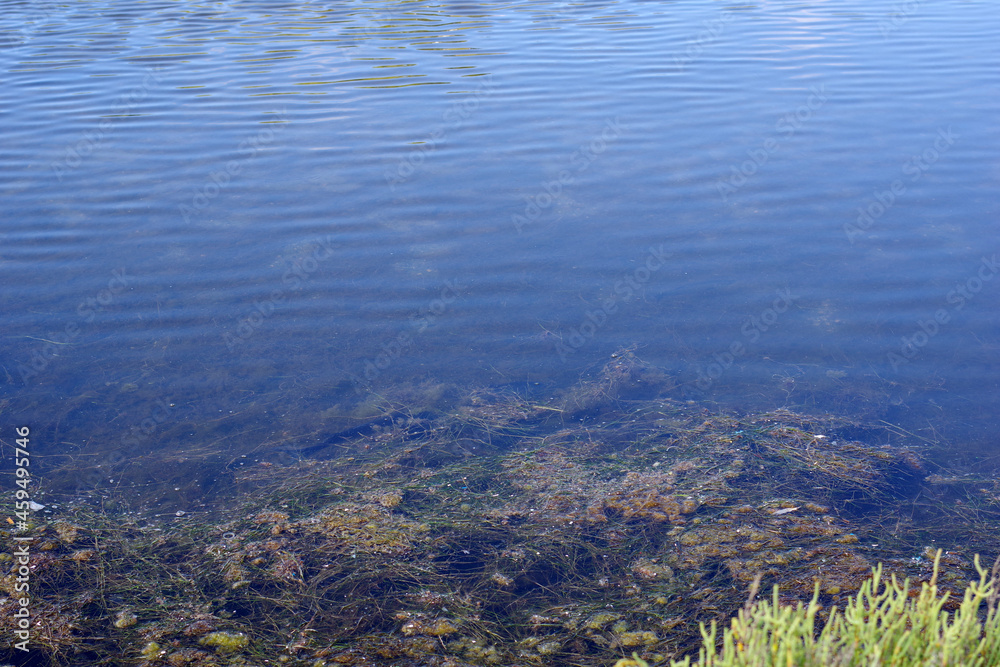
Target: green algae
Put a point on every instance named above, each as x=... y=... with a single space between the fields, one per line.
x=224 y=642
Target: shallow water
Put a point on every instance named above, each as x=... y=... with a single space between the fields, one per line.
x=226 y=223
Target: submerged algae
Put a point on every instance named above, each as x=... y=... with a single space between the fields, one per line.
x=225 y=643
x=499 y=533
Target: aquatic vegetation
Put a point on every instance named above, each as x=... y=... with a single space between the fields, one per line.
x=225 y=642
x=125 y=619
x=501 y=532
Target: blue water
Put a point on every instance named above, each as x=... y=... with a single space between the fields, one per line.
x=225 y=224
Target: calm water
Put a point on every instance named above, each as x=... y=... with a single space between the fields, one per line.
x=223 y=223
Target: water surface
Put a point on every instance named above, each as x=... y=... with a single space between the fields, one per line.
x=225 y=224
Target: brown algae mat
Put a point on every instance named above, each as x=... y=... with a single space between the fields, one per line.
x=500 y=531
